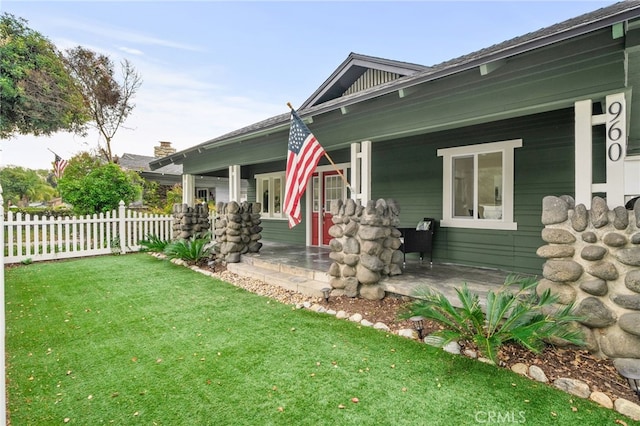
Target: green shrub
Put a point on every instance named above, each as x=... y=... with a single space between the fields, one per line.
x=191 y=250
x=153 y=243
x=42 y=212
x=520 y=316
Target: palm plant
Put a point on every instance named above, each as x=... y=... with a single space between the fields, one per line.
x=153 y=243
x=521 y=316
x=191 y=250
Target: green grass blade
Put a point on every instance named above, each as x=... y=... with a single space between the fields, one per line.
x=133 y=340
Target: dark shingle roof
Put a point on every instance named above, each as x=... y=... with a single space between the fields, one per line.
x=140 y=163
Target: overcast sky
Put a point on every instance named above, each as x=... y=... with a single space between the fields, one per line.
x=210 y=67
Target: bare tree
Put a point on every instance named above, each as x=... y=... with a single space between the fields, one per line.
x=109 y=101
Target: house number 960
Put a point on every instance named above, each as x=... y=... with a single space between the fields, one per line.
x=614 y=133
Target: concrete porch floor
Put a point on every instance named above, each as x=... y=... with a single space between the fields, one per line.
x=304 y=269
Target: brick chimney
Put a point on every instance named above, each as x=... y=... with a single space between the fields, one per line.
x=163 y=150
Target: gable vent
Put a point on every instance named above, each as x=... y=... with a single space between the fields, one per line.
x=370 y=79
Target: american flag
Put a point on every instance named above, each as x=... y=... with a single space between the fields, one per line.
x=58 y=166
x=302 y=158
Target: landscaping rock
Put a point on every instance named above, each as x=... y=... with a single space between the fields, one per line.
x=366 y=323
x=317 y=308
x=342 y=315
x=372 y=292
x=471 y=353
x=617 y=343
x=520 y=368
x=537 y=374
x=602 y=399
x=573 y=386
x=408 y=332
x=452 y=347
x=627 y=408
x=381 y=326
x=355 y=318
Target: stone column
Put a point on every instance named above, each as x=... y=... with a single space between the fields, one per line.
x=190 y=221
x=593 y=260
x=364 y=247
x=237 y=230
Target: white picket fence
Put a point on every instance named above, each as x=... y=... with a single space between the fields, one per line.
x=34 y=238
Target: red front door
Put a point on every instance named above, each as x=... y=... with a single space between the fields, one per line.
x=327 y=186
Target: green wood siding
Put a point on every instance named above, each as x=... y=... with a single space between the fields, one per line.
x=634 y=106
x=409 y=171
x=278 y=231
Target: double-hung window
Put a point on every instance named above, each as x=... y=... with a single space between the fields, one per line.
x=270 y=193
x=478 y=185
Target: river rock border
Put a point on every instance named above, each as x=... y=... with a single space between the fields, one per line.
x=569 y=385
x=364 y=247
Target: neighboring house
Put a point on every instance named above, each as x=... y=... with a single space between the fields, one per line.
x=475 y=142
x=205 y=188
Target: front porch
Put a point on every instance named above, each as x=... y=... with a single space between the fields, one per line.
x=304 y=269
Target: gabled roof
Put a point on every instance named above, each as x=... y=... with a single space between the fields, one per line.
x=351 y=70
x=416 y=74
x=140 y=163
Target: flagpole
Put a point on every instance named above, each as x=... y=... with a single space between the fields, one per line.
x=344 y=179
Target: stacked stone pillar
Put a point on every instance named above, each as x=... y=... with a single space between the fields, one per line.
x=237 y=230
x=190 y=221
x=593 y=261
x=364 y=247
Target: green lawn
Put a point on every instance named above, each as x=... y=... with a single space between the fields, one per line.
x=136 y=340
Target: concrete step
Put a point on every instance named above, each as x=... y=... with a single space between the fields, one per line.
x=276 y=266
x=281 y=276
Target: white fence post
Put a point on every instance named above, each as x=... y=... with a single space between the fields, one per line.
x=122 y=227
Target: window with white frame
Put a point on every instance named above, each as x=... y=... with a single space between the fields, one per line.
x=270 y=192
x=478 y=185
x=202 y=195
